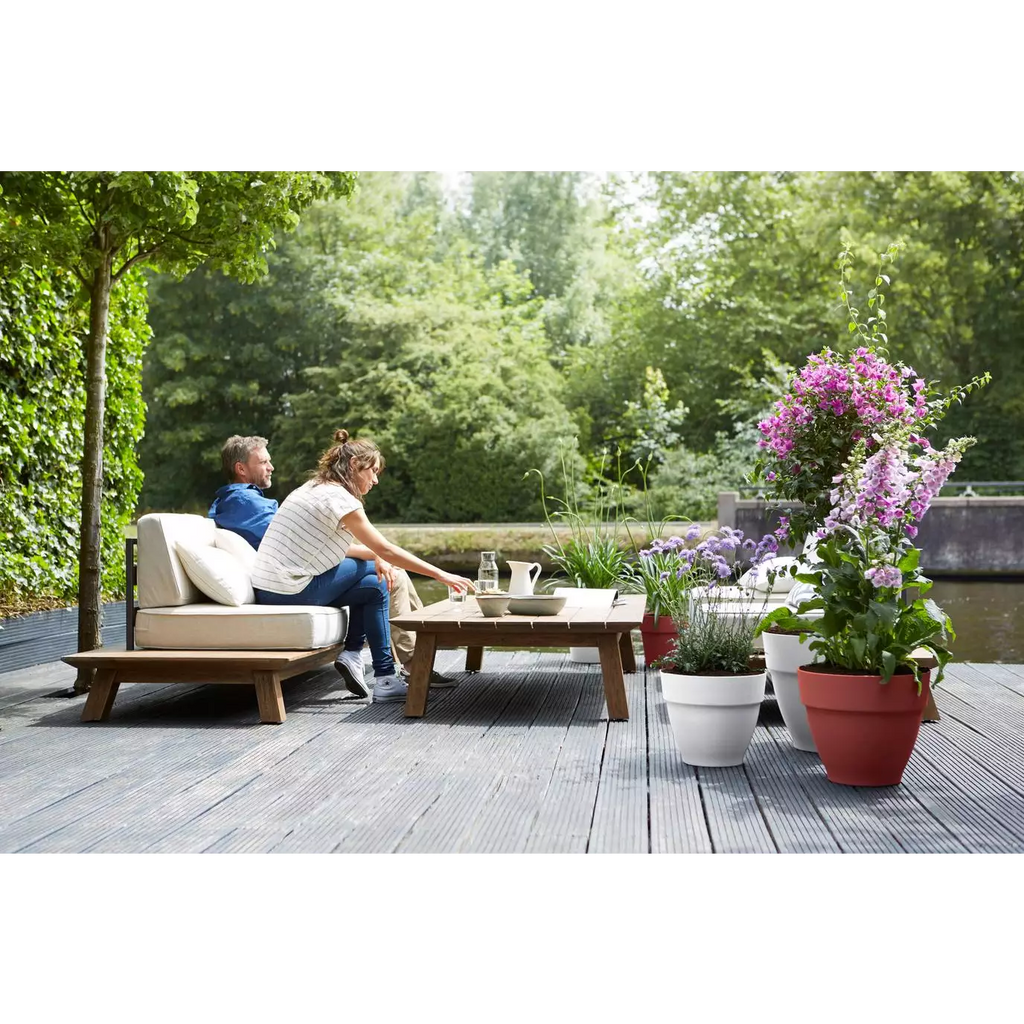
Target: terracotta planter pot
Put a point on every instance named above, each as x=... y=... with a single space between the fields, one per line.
x=657 y=639
x=864 y=730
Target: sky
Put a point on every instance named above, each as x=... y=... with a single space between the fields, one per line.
x=456 y=185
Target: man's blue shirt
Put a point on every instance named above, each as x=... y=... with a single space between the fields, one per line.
x=242 y=508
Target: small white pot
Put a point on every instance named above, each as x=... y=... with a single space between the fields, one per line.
x=585 y=597
x=783 y=655
x=713 y=717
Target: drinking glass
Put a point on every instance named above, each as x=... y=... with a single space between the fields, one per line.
x=456 y=596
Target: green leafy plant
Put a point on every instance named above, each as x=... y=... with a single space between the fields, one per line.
x=654 y=569
x=593 y=555
x=867 y=578
x=100 y=227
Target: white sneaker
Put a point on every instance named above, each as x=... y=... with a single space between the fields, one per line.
x=387 y=689
x=350 y=667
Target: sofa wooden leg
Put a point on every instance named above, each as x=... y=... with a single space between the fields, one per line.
x=101 y=696
x=268 y=695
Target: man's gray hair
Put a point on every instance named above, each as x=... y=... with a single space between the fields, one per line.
x=238 y=449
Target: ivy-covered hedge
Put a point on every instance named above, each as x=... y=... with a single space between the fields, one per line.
x=42 y=406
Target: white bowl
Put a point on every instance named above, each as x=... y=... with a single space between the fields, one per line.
x=492 y=605
x=536 y=604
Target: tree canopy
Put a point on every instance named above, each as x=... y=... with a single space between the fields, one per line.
x=99 y=225
x=474 y=330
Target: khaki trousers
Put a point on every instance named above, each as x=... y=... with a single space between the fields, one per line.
x=404 y=599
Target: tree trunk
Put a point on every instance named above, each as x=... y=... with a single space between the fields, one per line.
x=90 y=546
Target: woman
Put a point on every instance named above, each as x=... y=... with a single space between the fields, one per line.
x=321 y=549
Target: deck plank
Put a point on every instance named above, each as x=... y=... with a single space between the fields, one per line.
x=520 y=757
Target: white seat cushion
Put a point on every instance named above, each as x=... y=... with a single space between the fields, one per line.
x=256 y=627
x=217 y=573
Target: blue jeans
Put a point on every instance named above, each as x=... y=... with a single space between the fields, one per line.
x=352 y=582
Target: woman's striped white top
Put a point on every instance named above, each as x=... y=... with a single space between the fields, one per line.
x=305 y=538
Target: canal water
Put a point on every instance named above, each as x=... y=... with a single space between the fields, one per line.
x=988 y=615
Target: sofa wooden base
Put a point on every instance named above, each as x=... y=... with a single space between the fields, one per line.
x=263 y=670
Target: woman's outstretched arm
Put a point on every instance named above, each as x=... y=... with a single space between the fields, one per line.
x=366 y=533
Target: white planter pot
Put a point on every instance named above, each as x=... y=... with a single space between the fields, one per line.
x=783 y=655
x=713 y=717
x=585 y=597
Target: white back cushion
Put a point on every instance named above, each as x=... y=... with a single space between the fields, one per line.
x=235 y=544
x=162 y=580
x=217 y=573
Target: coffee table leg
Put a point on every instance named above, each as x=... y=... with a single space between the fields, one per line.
x=474 y=659
x=419 y=675
x=611 y=671
x=626 y=652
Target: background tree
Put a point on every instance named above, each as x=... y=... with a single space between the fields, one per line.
x=652 y=315
x=957 y=301
x=99 y=225
x=381 y=315
x=733 y=266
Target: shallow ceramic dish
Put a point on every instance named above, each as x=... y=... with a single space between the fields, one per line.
x=492 y=605
x=536 y=604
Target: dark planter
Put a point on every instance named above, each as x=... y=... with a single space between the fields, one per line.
x=657 y=639
x=47 y=636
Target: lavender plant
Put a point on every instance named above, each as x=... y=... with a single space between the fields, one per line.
x=663 y=572
x=716 y=620
x=659 y=568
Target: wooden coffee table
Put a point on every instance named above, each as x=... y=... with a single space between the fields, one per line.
x=444 y=624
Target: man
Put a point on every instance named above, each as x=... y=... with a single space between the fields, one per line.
x=241 y=506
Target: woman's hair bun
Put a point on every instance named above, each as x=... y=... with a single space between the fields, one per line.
x=341 y=436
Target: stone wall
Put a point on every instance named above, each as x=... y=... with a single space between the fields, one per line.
x=958 y=537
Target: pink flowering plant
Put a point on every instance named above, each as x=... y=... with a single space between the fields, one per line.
x=867 y=579
x=836 y=402
x=848 y=444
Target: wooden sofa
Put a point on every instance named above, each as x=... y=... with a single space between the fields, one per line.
x=180 y=633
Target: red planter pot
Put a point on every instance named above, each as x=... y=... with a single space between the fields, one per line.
x=864 y=730
x=657 y=640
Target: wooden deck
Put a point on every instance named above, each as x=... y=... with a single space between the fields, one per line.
x=520 y=758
